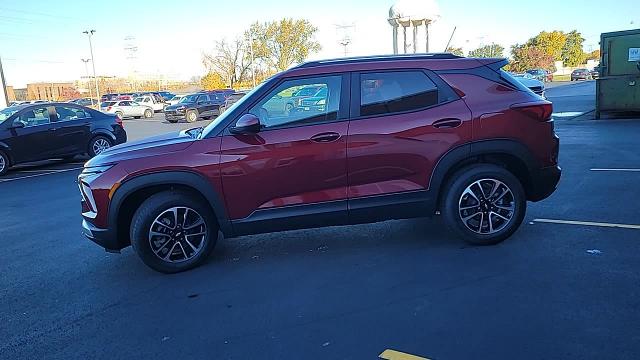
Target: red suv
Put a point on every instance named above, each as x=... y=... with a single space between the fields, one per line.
x=392 y=138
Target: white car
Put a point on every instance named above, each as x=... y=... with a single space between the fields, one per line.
x=127 y=108
x=530 y=81
x=176 y=99
x=150 y=101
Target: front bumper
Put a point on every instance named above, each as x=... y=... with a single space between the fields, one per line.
x=102 y=237
x=174 y=115
x=544 y=182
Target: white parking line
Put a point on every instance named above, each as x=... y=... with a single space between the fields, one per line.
x=588 y=223
x=622 y=170
x=36 y=175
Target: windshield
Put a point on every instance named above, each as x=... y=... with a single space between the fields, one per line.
x=6 y=113
x=189 y=98
x=212 y=125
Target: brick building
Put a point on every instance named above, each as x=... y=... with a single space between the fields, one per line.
x=48 y=91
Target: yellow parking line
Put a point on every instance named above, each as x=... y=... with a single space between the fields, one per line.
x=588 y=223
x=397 y=355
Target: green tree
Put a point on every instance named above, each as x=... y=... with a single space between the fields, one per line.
x=572 y=52
x=280 y=44
x=455 y=51
x=230 y=60
x=551 y=43
x=487 y=51
x=526 y=57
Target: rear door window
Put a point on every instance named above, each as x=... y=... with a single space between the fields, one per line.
x=68 y=113
x=392 y=92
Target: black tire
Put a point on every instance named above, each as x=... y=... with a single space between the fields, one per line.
x=173 y=121
x=453 y=196
x=4 y=163
x=137 y=117
x=148 y=114
x=92 y=150
x=191 y=116
x=159 y=204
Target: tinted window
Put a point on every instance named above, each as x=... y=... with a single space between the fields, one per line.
x=281 y=107
x=66 y=113
x=125 y=103
x=202 y=98
x=34 y=116
x=394 y=92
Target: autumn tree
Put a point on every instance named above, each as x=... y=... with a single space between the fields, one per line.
x=280 y=44
x=455 y=51
x=572 y=52
x=594 y=55
x=212 y=81
x=551 y=43
x=69 y=93
x=526 y=57
x=487 y=51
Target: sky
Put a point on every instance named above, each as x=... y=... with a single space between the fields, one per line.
x=43 y=41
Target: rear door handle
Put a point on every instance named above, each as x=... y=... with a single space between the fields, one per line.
x=325 y=137
x=447 y=123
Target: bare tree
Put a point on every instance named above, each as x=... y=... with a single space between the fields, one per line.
x=230 y=60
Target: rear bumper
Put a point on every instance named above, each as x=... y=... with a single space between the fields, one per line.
x=544 y=182
x=103 y=237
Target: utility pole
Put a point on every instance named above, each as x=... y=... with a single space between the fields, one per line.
x=253 y=71
x=90 y=33
x=344 y=36
x=86 y=73
x=4 y=98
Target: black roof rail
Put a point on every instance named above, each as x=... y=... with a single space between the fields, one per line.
x=360 y=59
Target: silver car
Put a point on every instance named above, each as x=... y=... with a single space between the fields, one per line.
x=127 y=108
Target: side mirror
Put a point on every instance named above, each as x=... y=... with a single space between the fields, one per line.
x=247 y=124
x=18 y=125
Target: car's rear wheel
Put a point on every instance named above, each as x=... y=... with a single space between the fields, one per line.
x=4 y=163
x=148 y=113
x=192 y=116
x=484 y=204
x=99 y=144
x=173 y=231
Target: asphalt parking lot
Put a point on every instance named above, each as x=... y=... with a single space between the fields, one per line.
x=564 y=287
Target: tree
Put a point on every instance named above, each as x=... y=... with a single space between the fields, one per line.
x=572 y=52
x=282 y=43
x=594 y=55
x=213 y=81
x=551 y=43
x=455 y=51
x=487 y=51
x=526 y=57
x=229 y=60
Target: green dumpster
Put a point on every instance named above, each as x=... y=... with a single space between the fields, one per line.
x=618 y=88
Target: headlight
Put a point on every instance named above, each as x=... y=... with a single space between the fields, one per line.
x=96 y=169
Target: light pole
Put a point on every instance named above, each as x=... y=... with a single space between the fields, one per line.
x=93 y=62
x=86 y=72
x=253 y=69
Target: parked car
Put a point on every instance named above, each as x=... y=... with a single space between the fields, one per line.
x=532 y=83
x=55 y=130
x=127 y=109
x=595 y=73
x=15 y=103
x=166 y=95
x=108 y=97
x=232 y=99
x=202 y=105
x=176 y=99
x=539 y=74
x=580 y=74
x=84 y=102
x=394 y=140
x=155 y=102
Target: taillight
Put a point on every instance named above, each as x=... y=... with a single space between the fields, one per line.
x=541 y=112
x=108 y=108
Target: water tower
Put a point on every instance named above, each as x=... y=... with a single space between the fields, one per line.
x=412 y=16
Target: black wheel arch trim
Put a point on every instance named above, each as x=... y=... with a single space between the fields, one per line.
x=478 y=148
x=184 y=178
x=102 y=132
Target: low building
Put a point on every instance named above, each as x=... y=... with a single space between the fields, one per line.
x=16 y=94
x=48 y=91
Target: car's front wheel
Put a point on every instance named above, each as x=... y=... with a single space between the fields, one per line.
x=484 y=204
x=4 y=163
x=173 y=231
x=148 y=114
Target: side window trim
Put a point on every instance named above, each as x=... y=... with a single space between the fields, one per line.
x=446 y=94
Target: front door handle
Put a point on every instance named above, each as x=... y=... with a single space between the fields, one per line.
x=447 y=123
x=325 y=137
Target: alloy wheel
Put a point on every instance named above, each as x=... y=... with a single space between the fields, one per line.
x=100 y=145
x=3 y=163
x=178 y=234
x=487 y=206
